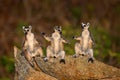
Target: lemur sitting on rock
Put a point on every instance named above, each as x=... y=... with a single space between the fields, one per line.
x=84 y=47
x=56 y=48
x=31 y=48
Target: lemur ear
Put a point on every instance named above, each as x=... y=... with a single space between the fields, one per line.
x=23 y=27
x=30 y=26
x=83 y=24
x=88 y=24
x=60 y=27
x=56 y=27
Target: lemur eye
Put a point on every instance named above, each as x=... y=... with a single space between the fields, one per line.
x=27 y=30
x=84 y=25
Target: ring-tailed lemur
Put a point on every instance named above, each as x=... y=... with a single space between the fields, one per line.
x=31 y=47
x=86 y=42
x=56 y=48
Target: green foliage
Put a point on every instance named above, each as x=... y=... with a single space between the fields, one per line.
x=19 y=30
x=8 y=63
x=76 y=12
x=4 y=78
x=102 y=39
x=118 y=57
x=68 y=33
x=117 y=9
x=44 y=50
x=91 y=7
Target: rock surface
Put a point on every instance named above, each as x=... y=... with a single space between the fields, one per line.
x=74 y=69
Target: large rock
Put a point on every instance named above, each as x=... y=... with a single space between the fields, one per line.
x=74 y=69
x=23 y=71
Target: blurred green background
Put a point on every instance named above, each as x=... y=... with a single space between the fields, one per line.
x=43 y=15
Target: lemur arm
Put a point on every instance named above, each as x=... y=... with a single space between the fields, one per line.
x=36 y=42
x=24 y=45
x=65 y=41
x=48 y=38
x=90 y=43
x=77 y=38
x=92 y=39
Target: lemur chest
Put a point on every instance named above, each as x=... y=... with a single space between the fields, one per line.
x=56 y=36
x=85 y=37
x=85 y=34
x=30 y=39
x=56 y=41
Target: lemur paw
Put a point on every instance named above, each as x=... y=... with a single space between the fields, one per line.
x=45 y=59
x=42 y=33
x=90 y=59
x=22 y=53
x=62 y=61
x=73 y=37
x=74 y=56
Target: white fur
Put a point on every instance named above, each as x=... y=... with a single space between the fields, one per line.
x=30 y=39
x=85 y=38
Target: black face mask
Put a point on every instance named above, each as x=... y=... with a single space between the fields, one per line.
x=83 y=26
x=26 y=31
x=60 y=32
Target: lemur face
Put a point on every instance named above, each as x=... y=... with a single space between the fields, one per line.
x=85 y=26
x=27 y=29
x=58 y=29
